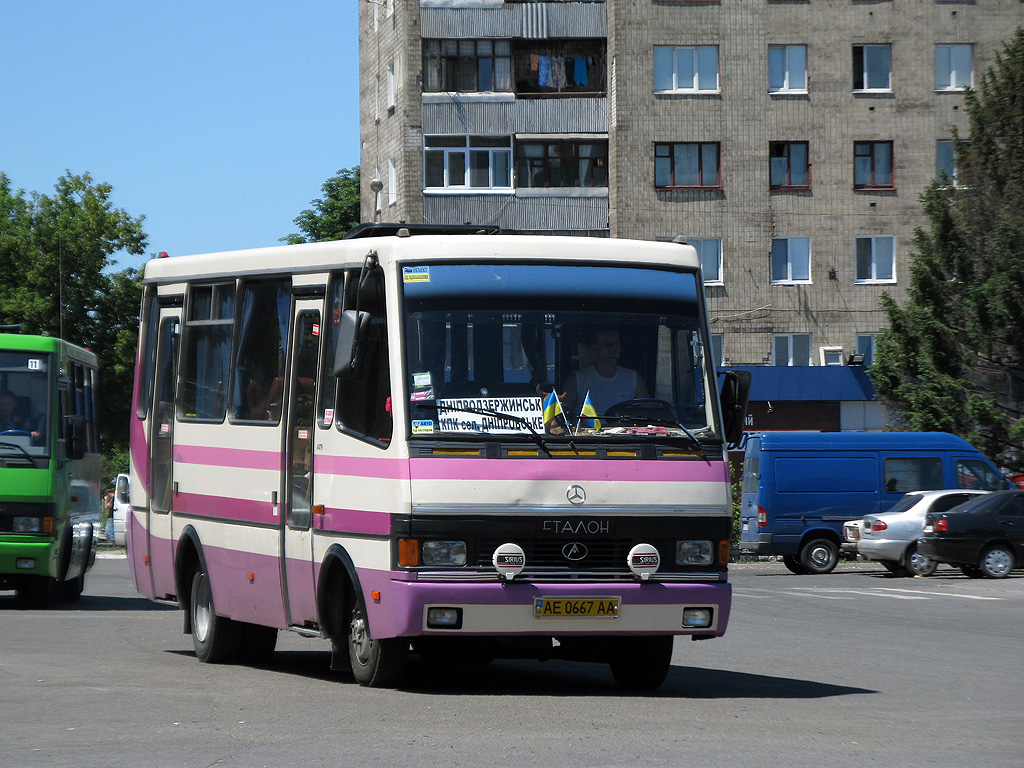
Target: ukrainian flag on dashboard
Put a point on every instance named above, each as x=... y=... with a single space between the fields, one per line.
x=588 y=416
x=551 y=406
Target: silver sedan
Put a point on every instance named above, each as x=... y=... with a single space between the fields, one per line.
x=891 y=539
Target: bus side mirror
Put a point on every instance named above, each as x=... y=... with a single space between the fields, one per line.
x=735 y=395
x=353 y=328
x=74 y=436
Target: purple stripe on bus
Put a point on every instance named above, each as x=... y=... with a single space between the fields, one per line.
x=242 y=458
x=359 y=466
x=227 y=508
x=356 y=521
x=569 y=470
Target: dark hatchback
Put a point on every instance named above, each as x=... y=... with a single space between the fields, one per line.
x=984 y=537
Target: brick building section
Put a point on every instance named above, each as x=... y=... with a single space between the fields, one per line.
x=742 y=117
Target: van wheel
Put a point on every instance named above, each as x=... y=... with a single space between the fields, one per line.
x=819 y=556
x=215 y=638
x=375 y=663
x=793 y=563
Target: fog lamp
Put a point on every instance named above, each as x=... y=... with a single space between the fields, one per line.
x=444 y=618
x=509 y=560
x=25 y=563
x=643 y=560
x=696 y=617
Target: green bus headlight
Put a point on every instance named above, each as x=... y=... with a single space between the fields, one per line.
x=27 y=525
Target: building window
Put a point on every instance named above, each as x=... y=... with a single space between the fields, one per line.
x=876 y=259
x=476 y=162
x=392 y=181
x=831 y=355
x=685 y=69
x=562 y=163
x=788 y=165
x=872 y=165
x=550 y=66
x=791 y=260
x=709 y=251
x=866 y=347
x=390 y=86
x=787 y=68
x=467 y=65
x=791 y=349
x=718 y=349
x=954 y=67
x=872 y=67
x=945 y=162
x=687 y=164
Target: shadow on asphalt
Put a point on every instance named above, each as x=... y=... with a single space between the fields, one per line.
x=89 y=603
x=558 y=678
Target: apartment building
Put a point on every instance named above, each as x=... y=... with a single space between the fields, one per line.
x=788 y=140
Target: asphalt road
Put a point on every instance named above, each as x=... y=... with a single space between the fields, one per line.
x=855 y=668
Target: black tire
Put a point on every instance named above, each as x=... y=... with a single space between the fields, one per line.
x=377 y=663
x=71 y=590
x=918 y=564
x=819 y=556
x=641 y=663
x=258 y=643
x=792 y=562
x=894 y=568
x=39 y=592
x=971 y=571
x=216 y=639
x=996 y=562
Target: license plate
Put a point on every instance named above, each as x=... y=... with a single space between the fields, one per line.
x=576 y=607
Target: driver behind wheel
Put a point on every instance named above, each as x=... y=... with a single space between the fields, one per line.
x=607 y=382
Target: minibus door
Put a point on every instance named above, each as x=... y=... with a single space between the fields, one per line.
x=297 y=474
x=158 y=549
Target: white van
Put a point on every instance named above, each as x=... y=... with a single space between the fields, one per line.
x=121 y=506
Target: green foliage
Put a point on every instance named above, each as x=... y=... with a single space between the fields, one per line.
x=53 y=250
x=953 y=356
x=334 y=215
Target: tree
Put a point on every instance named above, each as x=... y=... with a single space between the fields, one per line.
x=334 y=215
x=53 y=253
x=952 y=358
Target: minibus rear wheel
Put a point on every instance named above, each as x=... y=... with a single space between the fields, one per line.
x=216 y=639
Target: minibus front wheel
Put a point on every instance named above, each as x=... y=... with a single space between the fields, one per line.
x=819 y=556
x=376 y=663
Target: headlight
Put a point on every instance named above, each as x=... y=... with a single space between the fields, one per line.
x=27 y=525
x=446 y=553
x=694 y=553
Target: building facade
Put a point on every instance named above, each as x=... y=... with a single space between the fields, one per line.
x=788 y=140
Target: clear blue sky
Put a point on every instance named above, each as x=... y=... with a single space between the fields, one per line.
x=217 y=121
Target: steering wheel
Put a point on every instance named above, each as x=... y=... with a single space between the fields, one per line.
x=643 y=409
x=16 y=433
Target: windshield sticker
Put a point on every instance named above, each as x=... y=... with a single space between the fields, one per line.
x=416 y=274
x=426 y=394
x=422 y=426
x=328 y=416
x=460 y=415
x=421 y=379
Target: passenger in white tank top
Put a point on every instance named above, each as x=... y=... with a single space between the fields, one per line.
x=607 y=383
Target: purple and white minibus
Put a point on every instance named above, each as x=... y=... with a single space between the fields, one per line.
x=434 y=445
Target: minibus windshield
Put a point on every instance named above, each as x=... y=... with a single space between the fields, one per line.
x=24 y=402
x=527 y=349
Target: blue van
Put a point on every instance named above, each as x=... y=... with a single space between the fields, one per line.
x=800 y=487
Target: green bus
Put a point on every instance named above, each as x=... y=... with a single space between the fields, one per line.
x=49 y=467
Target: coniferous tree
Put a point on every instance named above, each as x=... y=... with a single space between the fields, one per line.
x=952 y=358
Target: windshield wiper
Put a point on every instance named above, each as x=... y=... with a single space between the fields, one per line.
x=498 y=415
x=27 y=456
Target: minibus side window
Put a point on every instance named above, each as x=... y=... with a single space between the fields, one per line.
x=328 y=390
x=147 y=354
x=364 y=404
x=263 y=316
x=207 y=359
x=913 y=474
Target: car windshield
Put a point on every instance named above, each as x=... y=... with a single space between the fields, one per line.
x=24 y=403
x=621 y=348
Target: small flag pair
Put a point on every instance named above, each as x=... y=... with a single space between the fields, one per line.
x=588 y=416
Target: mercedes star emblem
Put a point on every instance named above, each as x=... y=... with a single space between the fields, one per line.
x=575 y=494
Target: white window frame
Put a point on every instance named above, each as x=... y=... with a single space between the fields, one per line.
x=391 y=88
x=709 y=248
x=874 y=278
x=949 y=60
x=791 y=361
x=831 y=353
x=455 y=185
x=792 y=59
x=392 y=181
x=867 y=49
x=672 y=62
x=789 y=279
